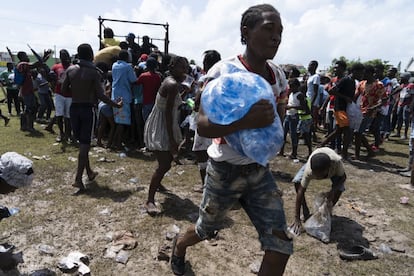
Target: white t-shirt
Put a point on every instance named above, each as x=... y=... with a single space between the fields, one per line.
x=223 y=152
x=336 y=168
x=312 y=80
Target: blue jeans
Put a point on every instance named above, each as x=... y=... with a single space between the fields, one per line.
x=254 y=187
x=403 y=116
x=365 y=124
x=290 y=125
x=46 y=104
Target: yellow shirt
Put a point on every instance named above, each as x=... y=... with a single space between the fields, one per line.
x=106 y=42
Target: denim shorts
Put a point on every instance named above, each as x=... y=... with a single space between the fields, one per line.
x=254 y=188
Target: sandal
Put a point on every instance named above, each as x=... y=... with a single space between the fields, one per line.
x=177 y=263
x=357 y=252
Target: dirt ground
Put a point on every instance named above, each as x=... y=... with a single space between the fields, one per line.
x=53 y=222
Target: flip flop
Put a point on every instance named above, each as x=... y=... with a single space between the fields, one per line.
x=357 y=252
x=177 y=263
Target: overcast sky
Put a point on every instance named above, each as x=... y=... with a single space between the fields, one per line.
x=313 y=29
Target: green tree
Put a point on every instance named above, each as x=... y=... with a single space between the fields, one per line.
x=350 y=63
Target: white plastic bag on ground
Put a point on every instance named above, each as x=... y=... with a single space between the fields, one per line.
x=319 y=224
x=16 y=169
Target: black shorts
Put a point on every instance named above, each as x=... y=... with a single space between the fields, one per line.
x=82 y=118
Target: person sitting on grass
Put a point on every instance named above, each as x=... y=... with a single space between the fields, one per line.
x=323 y=163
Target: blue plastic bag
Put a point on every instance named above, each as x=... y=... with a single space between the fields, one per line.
x=228 y=98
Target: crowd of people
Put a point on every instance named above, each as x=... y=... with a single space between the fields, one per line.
x=142 y=98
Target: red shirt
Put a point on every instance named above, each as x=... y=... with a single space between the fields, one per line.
x=371 y=94
x=60 y=72
x=151 y=82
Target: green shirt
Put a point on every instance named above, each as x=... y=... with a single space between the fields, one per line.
x=302 y=115
x=8 y=82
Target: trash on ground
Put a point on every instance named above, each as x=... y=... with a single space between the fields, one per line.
x=105 y=211
x=104 y=159
x=163 y=253
x=122 y=257
x=43 y=157
x=172 y=231
x=120 y=242
x=404 y=200
x=46 y=249
x=385 y=248
x=255 y=267
x=319 y=224
x=16 y=169
x=73 y=159
x=75 y=261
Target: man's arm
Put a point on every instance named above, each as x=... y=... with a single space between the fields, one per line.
x=315 y=93
x=334 y=91
x=300 y=195
x=296 y=227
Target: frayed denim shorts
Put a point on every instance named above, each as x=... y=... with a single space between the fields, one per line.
x=255 y=189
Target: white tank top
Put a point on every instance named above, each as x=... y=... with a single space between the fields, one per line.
x=293 y=101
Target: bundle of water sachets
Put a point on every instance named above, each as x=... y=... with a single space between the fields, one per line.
x=228 y=98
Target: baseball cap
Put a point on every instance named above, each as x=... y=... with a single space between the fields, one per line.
x=143 y=57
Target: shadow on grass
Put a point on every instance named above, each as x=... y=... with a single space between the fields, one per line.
x=189 y=269
x=35 y=134
x=375 y=165
x=282 y=176
x=185 y=209
x=347 y=233
x=95 y=191
x=178 y=208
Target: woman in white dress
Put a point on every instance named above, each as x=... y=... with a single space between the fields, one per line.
x=162 y=133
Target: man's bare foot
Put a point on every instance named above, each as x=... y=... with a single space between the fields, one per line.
x=92 y=176
x=151 y=208
x=79 y=185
